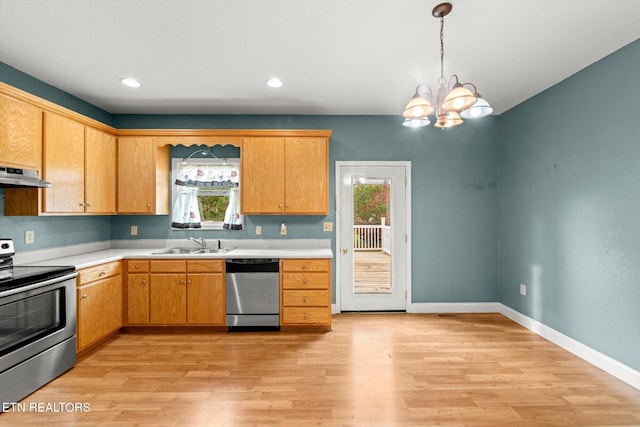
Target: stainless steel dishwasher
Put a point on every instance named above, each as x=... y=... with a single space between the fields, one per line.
x=253 y=292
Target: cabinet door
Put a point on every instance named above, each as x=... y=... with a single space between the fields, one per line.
x=168 y=299
x=20 y=134
x=137 y=299
x=262 y=176
x=206 y=299
x=99 y=310
x=63 y=164
x=100 y=172
x=306 y=171
x=136 y=175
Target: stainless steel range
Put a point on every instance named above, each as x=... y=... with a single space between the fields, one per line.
x=37 y=325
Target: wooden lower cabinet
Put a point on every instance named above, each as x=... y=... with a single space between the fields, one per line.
x=137 y=301
x=176 y=292
x=305 y=294
x=168 y=299
x=205 y=299
x=99 y=303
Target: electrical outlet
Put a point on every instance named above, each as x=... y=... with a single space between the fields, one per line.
x=29 y=237
x=283 y=229
x=134 y=230
x=523 y=289
x=258 y=229
x=327 y=226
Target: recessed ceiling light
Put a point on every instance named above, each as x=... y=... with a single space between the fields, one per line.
x=129 y=81
x=274 y=82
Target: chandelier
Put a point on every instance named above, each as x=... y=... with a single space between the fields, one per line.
x=453 y=102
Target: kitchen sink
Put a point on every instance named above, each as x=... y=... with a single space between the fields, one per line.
x=186 y=251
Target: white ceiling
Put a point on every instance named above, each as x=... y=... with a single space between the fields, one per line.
x=335 y=56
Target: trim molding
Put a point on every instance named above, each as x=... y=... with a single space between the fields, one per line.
x=586 y=353
x=597 y=359
x=454 y=307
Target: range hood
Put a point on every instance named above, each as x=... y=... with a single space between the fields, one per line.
x=20 y=178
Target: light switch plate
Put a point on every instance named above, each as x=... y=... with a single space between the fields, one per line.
x=327 y=226
x=258 y=229
x=134 y=230
x=29 y=237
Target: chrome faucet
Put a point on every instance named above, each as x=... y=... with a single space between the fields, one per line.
x=201 y=242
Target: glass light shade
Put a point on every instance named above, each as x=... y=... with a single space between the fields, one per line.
x=448 y=120
x=480 y=109
x=417 y=108
x=416 y=123
x=458 y=99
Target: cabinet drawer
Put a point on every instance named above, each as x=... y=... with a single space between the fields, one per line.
x=305 y=281
x=305 y=298
x=306 y=264
x=306 y=315
x=87 y=275
x=205 y=266
x=173 y=266
x=137 y=266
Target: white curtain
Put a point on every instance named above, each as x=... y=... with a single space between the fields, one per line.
x=232 y=217
x=194 y=177
x=186 y=213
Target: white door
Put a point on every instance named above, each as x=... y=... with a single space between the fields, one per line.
x=372 y=241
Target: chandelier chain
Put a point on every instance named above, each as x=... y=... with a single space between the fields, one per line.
x=442 y=48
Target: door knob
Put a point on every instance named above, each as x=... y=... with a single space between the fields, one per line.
x=345 y=250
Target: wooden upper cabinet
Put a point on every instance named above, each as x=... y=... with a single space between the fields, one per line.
x=262 y=175
x=63 y=164
x=20 y=134
x=143 y=176
x=288 y=175
x=306 y=176
x=100 y=172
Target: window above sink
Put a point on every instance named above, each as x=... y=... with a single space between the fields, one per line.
x=205 y=193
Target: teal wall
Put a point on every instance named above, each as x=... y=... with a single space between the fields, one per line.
x=570 y=206
x=52 y=231
x=25 y=82
x=454 y=205
x=562 y=219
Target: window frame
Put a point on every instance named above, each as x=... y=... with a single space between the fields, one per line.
x=175 y=165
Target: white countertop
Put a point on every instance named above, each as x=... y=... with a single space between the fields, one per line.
x=260 y=249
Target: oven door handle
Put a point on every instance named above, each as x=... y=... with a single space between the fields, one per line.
x=38 y=285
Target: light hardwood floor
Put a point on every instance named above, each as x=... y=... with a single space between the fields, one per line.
x=371 y=370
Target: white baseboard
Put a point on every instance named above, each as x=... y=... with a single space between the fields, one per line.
x=454 y=307
x=594 y=357
x=600 y=360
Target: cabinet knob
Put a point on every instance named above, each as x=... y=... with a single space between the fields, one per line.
x=304 y=266
x=305 y=299
x=188 y=282
x=102 y=273
x=287 y=205
x=306 y=316
x=80 y=204
x=88 y=205
x=85 y=296
x=148 y=205
x=279 y=205
x=182 y=282
x=305 y=281
x=136 y=266
x=144 y=282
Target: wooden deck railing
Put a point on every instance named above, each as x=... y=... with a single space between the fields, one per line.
x=370 y=237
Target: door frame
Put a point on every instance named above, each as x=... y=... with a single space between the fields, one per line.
x=338 y=264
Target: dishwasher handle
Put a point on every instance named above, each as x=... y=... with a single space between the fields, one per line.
x=253 y=265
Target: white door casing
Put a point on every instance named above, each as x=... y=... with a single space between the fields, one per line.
x=399 y=174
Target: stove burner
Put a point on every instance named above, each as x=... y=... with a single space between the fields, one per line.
x=12 y=276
